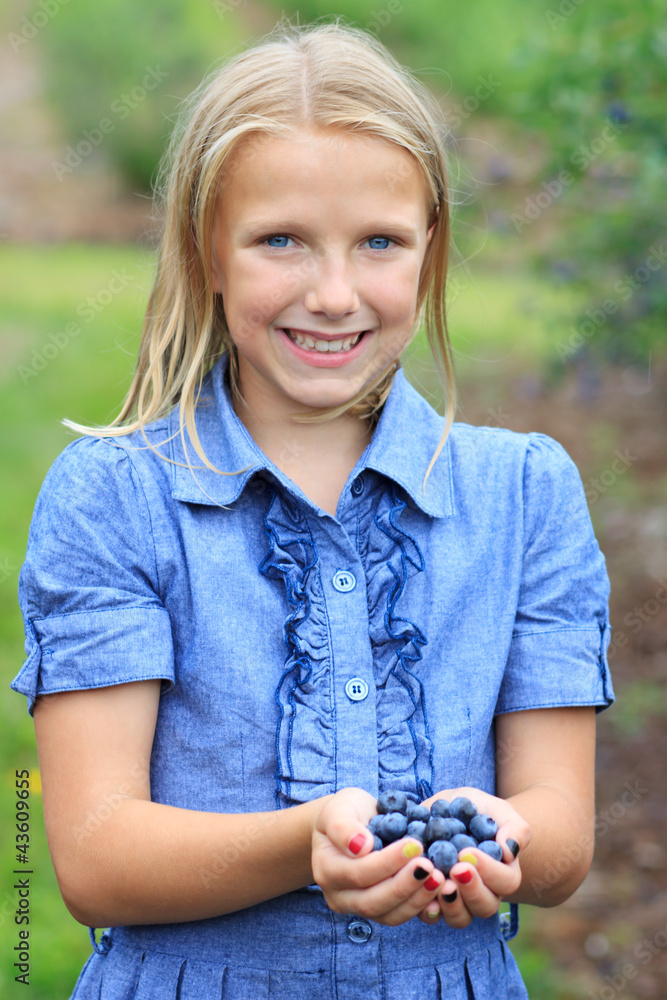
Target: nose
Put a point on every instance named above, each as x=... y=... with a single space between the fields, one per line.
x=333 y=289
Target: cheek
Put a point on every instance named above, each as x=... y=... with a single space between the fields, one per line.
x=396 y=297
x=264 y=286
x=256 y=295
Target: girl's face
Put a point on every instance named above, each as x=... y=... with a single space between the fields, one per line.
x=318 y=242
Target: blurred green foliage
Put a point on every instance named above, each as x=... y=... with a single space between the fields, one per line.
x=594 y=83
x=99 y=56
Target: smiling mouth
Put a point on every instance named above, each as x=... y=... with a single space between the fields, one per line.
x=310 y=343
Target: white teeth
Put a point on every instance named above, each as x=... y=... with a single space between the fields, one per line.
x=324 y=346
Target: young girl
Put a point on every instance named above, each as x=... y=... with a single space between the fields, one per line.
x=280 y=584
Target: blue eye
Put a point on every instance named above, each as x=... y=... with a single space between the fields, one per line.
x=283 y=245
x=372 y=239
x=277 y=236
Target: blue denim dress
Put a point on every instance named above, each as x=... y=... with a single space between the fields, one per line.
x=302 y=653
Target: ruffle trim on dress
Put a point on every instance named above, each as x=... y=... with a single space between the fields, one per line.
x=304 y=732
x=405 y=749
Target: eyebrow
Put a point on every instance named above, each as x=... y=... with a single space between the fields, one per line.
x=259 y=226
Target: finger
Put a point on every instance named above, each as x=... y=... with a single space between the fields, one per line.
x=343 y=823
x=511 y=847
x=397 y=899
x=435 y=909
x=455 y=913
x=501 y=878
x=474 y=894
x=370 y=868
x=513 y=835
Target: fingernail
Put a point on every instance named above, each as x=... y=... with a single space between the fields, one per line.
x=513 y=846
x=431 y=884
x=470 y=858
x=357 y=843
x=419 y=873
x=411 y=849
x=433 y=914
x=450 y=897
x=463 y=877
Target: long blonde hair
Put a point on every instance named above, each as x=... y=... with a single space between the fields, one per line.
x=319 y=75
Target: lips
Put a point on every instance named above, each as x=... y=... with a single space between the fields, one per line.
x=332 y=352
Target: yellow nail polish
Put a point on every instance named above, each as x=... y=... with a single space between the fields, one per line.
x=411 y=850
x=470 y=858
x=432 y=914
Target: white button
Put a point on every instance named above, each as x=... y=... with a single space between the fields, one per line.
x=356 y=689
x=344 y=581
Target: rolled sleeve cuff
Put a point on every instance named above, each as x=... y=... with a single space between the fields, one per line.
x=557 y=668
x=85 y=650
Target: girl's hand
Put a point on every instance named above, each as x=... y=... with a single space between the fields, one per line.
x=389 y=886
x=476 y=887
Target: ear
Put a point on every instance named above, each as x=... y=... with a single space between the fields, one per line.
x=433 y=224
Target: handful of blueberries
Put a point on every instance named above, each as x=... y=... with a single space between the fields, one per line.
x=444 y=829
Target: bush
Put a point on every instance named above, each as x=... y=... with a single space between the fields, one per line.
x=129 y=64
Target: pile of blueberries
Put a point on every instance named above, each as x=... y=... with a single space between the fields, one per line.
x=444 y=829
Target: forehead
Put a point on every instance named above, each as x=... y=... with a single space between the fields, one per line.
x=310 y=166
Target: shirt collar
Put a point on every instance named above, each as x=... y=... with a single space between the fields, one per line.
x=401 y=448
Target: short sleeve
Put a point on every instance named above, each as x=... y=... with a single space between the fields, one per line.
x=558 y=651
x=89 y=587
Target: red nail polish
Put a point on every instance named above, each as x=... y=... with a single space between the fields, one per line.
x=431 y=884
x=464 y=877
x=357 y=843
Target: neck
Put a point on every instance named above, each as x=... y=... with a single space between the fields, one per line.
x=301 y=449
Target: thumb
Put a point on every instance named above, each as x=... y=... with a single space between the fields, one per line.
x=343 y=822
x=359 y=841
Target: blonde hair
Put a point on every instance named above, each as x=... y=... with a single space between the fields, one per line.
x=316 y=76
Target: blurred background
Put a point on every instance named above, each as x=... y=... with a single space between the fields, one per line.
x=557 y=310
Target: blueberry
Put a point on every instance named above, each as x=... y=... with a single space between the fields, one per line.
x=393 y=827
x=393 y=802
x=455 y=827
x=436 y=829
x=492 y=848
x=462 y=840
x=418 y=812
x=377 y=843
x=417 y=829
x=443 y=854
x=483 y=827
x=440 y=808
x=443 y=828
x=374 y=823
x=463 y=809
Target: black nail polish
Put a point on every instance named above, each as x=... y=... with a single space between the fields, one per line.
x=513 y=846
x=419 y=873
x=451 y=896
